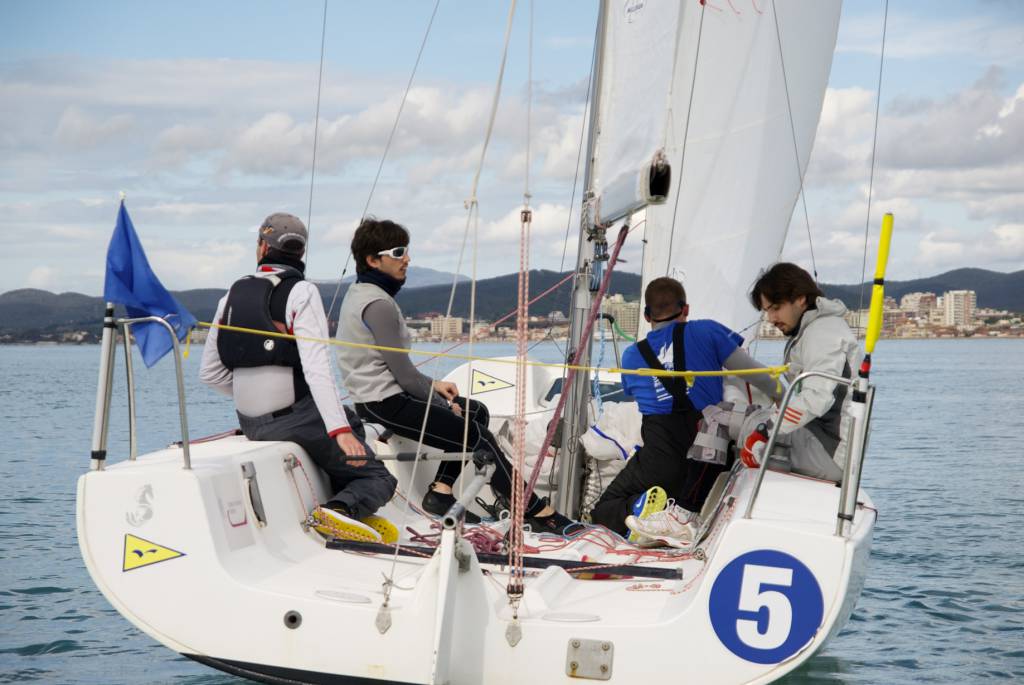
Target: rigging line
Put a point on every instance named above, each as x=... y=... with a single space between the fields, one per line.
x=494 y=326
x=515 y=551
x=472 y=335
x=426 y=410
x=474 y=212
x=796 y=150
x=871 y=178
x=529 y=109
x=494 y=100
x=686 y=135
x=472 y=207
x=587 y=104
x=387 y=148
x=316 y=127
x=575 y=182
x=401 y=106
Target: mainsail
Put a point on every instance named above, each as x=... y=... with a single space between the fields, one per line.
x=732 y=93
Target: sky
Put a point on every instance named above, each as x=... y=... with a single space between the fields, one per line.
x=203 y=115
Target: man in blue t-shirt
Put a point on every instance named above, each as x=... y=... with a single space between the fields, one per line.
x=660 y=471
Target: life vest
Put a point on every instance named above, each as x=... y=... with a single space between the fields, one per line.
x=720 y=425
x=260 y=302
x=675 y=385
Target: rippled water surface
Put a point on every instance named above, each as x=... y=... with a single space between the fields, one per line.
x=943 y=602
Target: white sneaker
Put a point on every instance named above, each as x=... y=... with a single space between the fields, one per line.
x=673 y=526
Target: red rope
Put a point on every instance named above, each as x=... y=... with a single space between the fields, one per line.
x=515 y=551
x=595 y=310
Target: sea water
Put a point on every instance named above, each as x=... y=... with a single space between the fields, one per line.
x=943 y=601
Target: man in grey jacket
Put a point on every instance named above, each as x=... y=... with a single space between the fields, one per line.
x=814 y=422
x=387 y=389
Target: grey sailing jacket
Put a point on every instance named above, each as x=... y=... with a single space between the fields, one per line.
x=824 y=342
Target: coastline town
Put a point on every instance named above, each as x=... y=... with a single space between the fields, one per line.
x=952 y=314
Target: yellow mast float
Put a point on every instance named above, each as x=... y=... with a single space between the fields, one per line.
x=863 y=393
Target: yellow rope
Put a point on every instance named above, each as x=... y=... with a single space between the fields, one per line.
x=773 y=371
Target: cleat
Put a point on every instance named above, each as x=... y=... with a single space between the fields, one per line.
x=672 y=526
x=650 y=502
x=334 y=524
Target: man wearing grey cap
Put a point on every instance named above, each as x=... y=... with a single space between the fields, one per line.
x=284 y=388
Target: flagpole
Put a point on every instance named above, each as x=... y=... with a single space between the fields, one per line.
x=101 y=418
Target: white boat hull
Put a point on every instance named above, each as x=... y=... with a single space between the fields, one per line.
x=225 y=590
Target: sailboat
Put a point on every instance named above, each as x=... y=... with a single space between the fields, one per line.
x=701 y=128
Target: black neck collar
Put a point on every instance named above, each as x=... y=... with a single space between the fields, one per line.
x=388 y=284
x=284 y=260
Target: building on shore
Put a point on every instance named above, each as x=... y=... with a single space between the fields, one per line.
x=447 y=327
x=919 y=305
x=626 y=313
x=959 y=306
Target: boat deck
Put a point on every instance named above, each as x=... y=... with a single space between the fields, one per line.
x=286 y=558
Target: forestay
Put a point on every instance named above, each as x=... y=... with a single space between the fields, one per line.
x=746 y=147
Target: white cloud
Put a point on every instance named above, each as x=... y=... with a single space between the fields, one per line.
x=204 y=154
x=79 y=129
x=43 y=277
x=177 y=144
x=70 y=232
x=1002 y=245
x=212 y=264
x=1008 y=243
x=985 y=39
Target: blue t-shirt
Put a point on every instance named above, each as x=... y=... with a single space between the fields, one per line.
x=708 y=344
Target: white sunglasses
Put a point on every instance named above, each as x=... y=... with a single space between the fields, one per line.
x=395 y=252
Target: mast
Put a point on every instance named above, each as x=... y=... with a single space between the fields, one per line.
x=591 y=253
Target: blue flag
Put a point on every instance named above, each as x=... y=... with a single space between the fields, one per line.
x=131 y=282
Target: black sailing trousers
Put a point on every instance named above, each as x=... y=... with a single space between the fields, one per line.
x=661 y=461
x=403 y=414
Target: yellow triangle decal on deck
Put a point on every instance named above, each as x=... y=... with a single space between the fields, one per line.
x=139 y=552
x=483 y=382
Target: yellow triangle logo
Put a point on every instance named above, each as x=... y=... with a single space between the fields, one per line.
x=139 y=552
x=483 y=382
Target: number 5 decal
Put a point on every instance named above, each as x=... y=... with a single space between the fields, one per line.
x=765 y=606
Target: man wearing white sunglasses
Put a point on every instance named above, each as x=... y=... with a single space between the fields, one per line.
x=388 y=389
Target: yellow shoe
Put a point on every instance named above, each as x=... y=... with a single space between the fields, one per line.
x=334 y=524
x=388 y=531
x=650 y=502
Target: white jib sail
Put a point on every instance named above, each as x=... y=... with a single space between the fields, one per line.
x=633 y=99
x=741 y=176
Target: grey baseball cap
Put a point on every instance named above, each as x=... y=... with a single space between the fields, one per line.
x=284 y=232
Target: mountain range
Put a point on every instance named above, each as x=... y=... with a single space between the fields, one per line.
x=995 y=290
x=29 y=314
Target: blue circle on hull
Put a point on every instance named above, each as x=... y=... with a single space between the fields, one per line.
x=765 y=606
